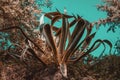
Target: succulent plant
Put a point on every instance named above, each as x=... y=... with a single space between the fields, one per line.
x=62 y=51
x=63 y=43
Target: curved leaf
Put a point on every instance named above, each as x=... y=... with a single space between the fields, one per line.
x=67 y=16
x=49 y=38
x=16 y=27
x=56 y=18
x=53 y=13
x=109 y=43
x=74 y=42
x=78 y=28
x=63 y=36
x=88 y=51
x=48 y=16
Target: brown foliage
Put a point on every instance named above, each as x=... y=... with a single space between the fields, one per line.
x=61 y=54
x=108 y=68
x=18 y=17
x=18 y=13
x=112 y=8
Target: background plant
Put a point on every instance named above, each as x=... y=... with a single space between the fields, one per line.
x=102 y=70
x=22 y=22
x=22 y=13
x=112 y=8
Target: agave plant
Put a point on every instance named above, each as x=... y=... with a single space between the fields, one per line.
x=62 y=51
x=62 y=42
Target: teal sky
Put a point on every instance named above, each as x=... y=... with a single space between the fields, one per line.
x=87 y=9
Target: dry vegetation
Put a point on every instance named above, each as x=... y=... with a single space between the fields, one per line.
x=44 y=54
x=108 y=68
x=21 y=13
x=112 y=8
